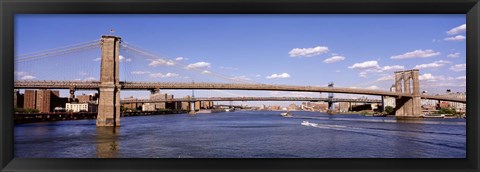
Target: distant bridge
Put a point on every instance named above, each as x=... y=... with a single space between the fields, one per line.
x=95 y=85
x=249 y=99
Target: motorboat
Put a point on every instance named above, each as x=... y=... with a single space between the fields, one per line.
x=286 y=114
x=230 y=110
x=433 y=115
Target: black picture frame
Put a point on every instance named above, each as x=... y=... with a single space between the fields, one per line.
x=9 y=8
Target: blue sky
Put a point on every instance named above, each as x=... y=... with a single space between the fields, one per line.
x=359 y=51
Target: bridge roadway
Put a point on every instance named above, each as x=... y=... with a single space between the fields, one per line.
x=249 y=99
x=95 y=85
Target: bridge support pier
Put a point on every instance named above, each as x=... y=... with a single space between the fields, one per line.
x=109 y=92
x=382 y=107
x=408 y=106
x=330 y=105
x=155 y=91
x=192 y=107
x=72 y=95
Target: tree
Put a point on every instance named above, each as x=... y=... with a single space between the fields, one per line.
x=447 y=111
x=389 y=110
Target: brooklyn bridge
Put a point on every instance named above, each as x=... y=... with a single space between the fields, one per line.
x=407 y=87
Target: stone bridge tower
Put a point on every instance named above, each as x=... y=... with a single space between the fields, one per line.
x=407 y=82
x=109 y=97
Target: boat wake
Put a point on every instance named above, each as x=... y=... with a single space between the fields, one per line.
x=408 y=135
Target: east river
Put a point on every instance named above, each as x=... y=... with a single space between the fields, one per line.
x=245 y=134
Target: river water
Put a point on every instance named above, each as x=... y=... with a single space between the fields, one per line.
x=245 y=134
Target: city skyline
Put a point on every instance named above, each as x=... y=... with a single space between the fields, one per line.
x=360 y=51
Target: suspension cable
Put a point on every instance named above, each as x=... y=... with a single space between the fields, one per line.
x=181 y=65
x=69 y=49
x=60 y=48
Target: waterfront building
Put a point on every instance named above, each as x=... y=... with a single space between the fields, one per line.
x=88 y=98
x=292 y=106
x=427 y=102
x=263 y=107
x=459 y=107
x=320 y=106
x=206 y=104
x=17 y=99
x=42 y=100
x=159 y=105
x=157 y=96
x=30 y=99
x=186 y=105
x=81 y=107
x=389 y=101
x=274 y=108
x=197 y=105
x=132 y=105
x=344 y=106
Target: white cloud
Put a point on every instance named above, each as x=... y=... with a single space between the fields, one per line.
x=372 y=66
x=24 y=75
x=454 y=55
x=161 y=75
x=128 y=60
x=258 y=76
x=459 y=29
x=334 y=59
x=179 y=58
x=338 y=71
x=430 y=77
x=228 y=68
x=431 y=81
x=206 y=72
x=283 y=75
x=301 y=94
x=459 y=67
x=435 y=64
x=241 y=78
x=27 y=77
x=436 y=85
x=121 y=58
x=90 y=79
x=365 y=65
x=455 y=38
x=274 y=93
x=363 y=74
x=373 y=87
x=161 y=62
x=417 y=54
x=201 y=65
x=386 y=78
x=97 y=59
x=20 y=73
x=308 y=52
x=139 y=72
x=82 y=73
x=394 y=67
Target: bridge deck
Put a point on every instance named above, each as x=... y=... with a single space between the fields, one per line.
x=250 y=99
x=93 y=85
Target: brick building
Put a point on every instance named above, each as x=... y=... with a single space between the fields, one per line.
x=42 y=100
